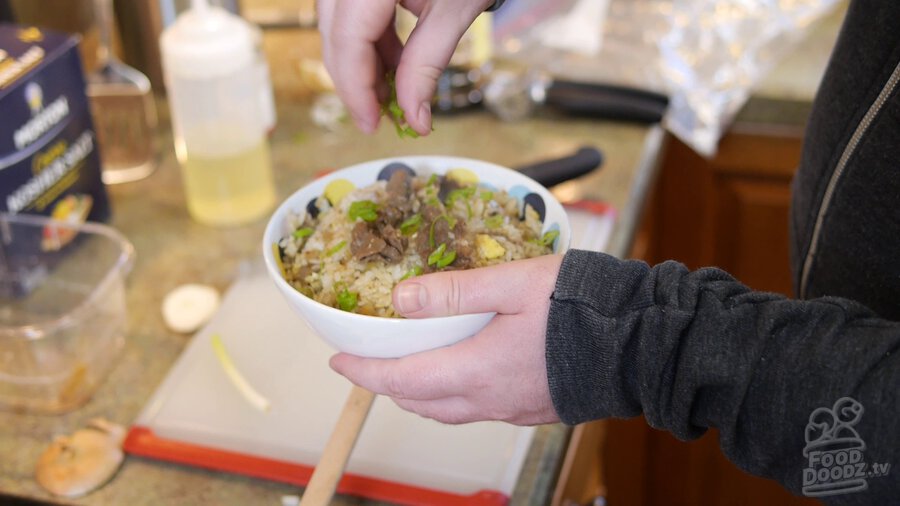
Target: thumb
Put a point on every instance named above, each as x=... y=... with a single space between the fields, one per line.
x=505 y=288
x=427 y=53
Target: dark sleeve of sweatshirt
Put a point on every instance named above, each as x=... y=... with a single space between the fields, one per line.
x=692 y=350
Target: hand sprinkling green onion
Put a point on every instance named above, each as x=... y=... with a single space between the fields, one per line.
x=365 y=210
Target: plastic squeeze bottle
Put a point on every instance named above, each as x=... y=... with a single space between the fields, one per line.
x=211 y=65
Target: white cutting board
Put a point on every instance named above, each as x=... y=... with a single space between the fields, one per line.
x=282 y=358
x=287 y=363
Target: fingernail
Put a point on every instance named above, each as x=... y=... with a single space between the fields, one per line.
x=425 y=114
x=411 y=297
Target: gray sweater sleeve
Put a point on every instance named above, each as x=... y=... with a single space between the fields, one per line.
x=694 y=350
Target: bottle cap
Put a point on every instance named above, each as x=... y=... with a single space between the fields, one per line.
x=206 y=42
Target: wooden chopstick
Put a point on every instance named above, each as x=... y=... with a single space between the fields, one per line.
x=328 y=471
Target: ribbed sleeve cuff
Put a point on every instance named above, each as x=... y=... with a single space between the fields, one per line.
x=591 y=363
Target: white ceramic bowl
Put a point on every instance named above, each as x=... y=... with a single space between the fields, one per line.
x=372 y=336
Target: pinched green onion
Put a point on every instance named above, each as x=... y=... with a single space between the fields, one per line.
x=393 y=111
x=365 y=210
x=486 y=195
x=303 y=232
x=411 y=225
x=334 y=249
x=347 y=300
x=433 y=180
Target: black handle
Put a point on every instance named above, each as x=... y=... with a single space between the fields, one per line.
x=552 y=172
x=607 y=101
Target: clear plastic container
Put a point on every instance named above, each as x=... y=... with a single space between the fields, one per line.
x=62 y=310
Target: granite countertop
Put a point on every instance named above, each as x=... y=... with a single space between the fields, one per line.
x=172 y=250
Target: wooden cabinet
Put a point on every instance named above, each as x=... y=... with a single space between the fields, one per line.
x=730 y=211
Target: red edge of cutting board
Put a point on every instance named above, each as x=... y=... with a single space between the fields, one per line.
x=141 y=441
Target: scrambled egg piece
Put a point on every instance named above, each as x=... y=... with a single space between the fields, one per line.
x=336 y=190
x=488 y=247
x=462 y=176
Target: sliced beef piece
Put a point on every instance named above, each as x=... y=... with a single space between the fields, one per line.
x=365 y=242
x=465 y=252
x=398 y=205
x=395 y=244
x=399 y=187
x=370 y=242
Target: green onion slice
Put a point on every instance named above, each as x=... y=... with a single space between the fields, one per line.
x=365 y=210
x=493 y=221
x=300 y=233
x=347 y=300
x=411 y=225
x=415 y=271
x=392 y=110
x=237 y=379
x=440 y=257
x=334 y=249
x=436 y=255
x=446 y=260
x=549 y=237
x=465 y=192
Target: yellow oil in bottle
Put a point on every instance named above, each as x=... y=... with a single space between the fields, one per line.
x=231 y=189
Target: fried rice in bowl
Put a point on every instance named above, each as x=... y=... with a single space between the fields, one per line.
x=337 y=247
